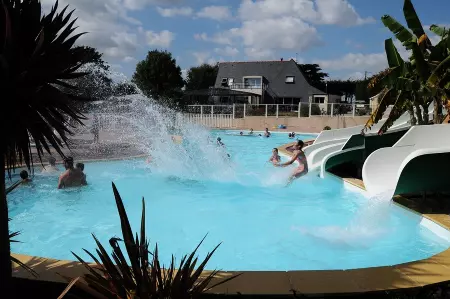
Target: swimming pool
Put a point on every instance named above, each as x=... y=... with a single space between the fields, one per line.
x=242 y=201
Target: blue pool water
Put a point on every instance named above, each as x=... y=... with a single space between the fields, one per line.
x=241 y=201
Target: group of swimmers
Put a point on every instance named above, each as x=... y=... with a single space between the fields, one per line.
x=71 y=177
x=297 y=155
x=266 y=133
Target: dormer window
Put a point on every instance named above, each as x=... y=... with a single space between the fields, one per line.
x=230 y=81
x=224 y=82
x=290 y=80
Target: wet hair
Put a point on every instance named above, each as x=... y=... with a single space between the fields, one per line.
x=51 y=160
x=80 y=166
x=69 y=161
x=242 y=133
x=24 y=174
x=290 y=135
x=300 y=143
x=275 y=149
x=218 y=138
x=267 y=129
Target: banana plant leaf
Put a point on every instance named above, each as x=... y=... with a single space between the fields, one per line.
x=400 y=32
x=400 y=106
x=386 y=98
x=422 y=67
x=435 y=78
x=438 y=30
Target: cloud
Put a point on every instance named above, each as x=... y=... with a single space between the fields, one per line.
x=227 y=51
x=176 y=11
x=357 y=62
x=162 y=39
x=223 y=38
x=205 y=57
x=111 y=30
x=329 y=12
x=218 y=13
x=259 y=54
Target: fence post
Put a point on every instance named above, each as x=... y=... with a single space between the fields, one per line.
x=354 y=105
x=266 y=110
x=234 y=105
x=310 y=105
x=299 y=108
x=245 y=105
x=212 y=110
x=332 y=109
x=277 y=111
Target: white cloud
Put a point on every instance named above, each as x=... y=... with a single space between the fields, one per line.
x=330 y=12
x=184 y=73
x=259 y=54
x=218 y=13
x=205 y=57
x=110 y=29
x=357 y=62
x=175 y=11
x=162 y=39
x=223 y=38
x=227 y=51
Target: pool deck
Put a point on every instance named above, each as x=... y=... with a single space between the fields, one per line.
x=415 y=274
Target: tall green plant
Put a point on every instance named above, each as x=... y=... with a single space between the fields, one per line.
x=144 y=277
x=36 y=59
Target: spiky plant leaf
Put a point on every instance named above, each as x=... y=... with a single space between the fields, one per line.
x=400 y=32
x=387 y=98
x=397 y=110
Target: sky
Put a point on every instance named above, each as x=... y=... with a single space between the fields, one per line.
x=345 y=37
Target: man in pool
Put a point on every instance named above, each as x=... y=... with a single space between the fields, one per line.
x=72 y=177
x=300 y=157
x=51 y=167
x=267 y=133
x=251 y=132
x=24 y=180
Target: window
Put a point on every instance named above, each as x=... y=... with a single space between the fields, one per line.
x=230 y=81
x=290 y=79
x=319 y=100
x=252 y=82
x=224 y=82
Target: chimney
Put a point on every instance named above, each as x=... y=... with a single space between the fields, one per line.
x=281 y=58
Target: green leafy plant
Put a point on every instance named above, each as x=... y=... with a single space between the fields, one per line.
x=145 y=277
x=326 y=128
x=12 y=235
x=38 y=62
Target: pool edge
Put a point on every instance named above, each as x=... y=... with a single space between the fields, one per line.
x=416 y=274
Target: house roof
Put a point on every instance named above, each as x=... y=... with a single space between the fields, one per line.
x=275 y=72
x=217 y=91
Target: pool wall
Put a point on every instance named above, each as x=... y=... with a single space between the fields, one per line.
x=414 y=274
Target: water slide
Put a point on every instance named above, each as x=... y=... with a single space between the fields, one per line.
x=417 y=162
x=334 y=141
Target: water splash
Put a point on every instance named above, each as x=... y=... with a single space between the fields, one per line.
x=370 y=223
x=149 y=126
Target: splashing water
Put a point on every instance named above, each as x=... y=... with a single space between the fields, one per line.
x=150 y=127
x=370 y=223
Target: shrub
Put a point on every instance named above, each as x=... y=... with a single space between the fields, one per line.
x=114 y=278
x=326 y=128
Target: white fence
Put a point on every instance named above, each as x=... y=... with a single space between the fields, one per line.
x=279 y=110
x=210 y=120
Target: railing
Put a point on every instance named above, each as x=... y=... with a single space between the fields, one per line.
x=210 y=120
x=283 y=110
x=244 y=86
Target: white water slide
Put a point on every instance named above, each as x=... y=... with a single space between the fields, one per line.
x=383 y=168
x=332 y=141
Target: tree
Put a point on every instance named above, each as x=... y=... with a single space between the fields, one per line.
x=201 y=77
x=361 y=91
x=123 y=89
x=314 y=75
x=412 y=85
x=159 y=77
x=33 y=104
x=346 y=88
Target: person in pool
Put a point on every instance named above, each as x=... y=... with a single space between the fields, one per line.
x=275 y=158
x=72 y=177
x=267 y=133
x=241 y=133
x=219 y=141
x=300 y=157
x=24 y=180
x=251 y=132
x=51 y=167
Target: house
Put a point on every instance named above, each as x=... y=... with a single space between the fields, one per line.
x=268 y=82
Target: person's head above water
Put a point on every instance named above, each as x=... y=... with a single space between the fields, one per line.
x=251 y=130
x=80 y=166
x=267 y=129
x=299 y=145
x=219 y=139
x=241 y=133
x=275 y=151
x=290 y=135
x=68 y=162
x=24 y=174
x=52 y=161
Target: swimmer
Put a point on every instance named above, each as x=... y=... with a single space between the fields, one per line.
x=300 y=157
x=290 y=135
x=267 y=133
x=293 y=134
x=251 y=132
x=24 y=180
x=275 y=158
x=241 y=133
x=51 y=167
x=72 y=177
x=219 y=141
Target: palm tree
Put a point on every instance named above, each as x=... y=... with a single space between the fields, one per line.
x=412 y=85
x=37 y=59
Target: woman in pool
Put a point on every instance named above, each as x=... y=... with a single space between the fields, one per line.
x=275 y=158
x=300 y=157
